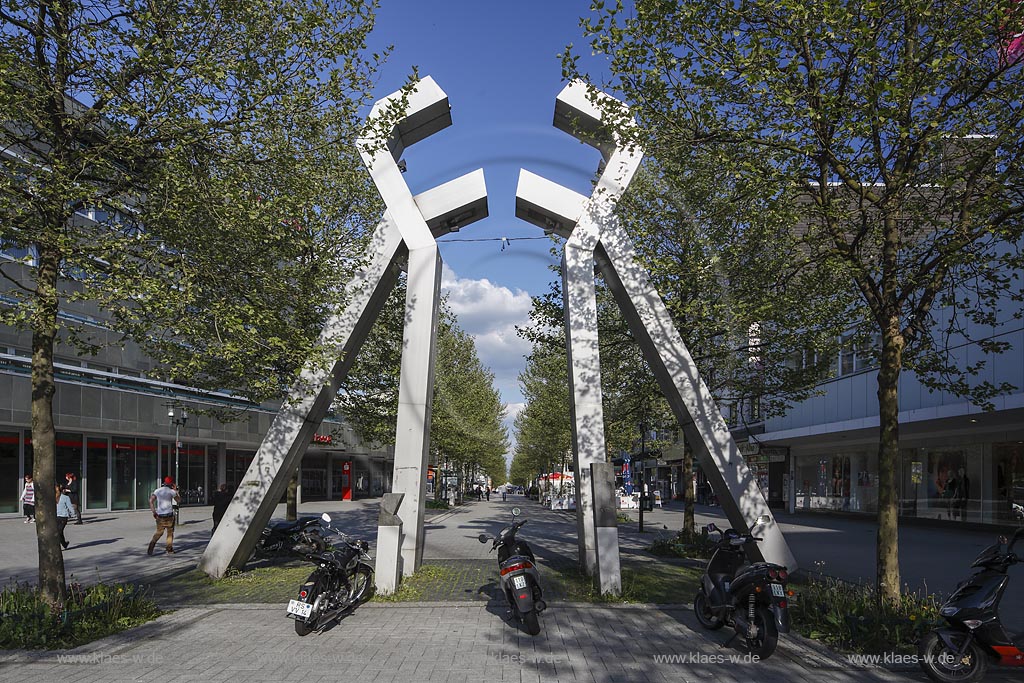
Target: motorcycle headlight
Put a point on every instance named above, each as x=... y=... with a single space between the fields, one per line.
x=949 y=611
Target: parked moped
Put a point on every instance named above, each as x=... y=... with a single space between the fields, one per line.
x=752 y=598
x=520 y=580
x=975 y=637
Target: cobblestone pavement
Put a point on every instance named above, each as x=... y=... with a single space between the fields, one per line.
x=449 y=642
x=465 y=637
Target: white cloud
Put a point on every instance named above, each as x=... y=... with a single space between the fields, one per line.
x=489 y=313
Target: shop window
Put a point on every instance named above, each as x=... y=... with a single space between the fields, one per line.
x=96 y=473
x=10 y=480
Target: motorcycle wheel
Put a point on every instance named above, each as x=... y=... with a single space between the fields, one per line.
x=767 y=634
x=937 y=660
x=704 y=614
x=361 y=582
x=532 y=622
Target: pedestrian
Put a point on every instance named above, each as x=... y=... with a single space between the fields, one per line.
x=71 y=482
x=161 y=502
x=504 y=491
x=488 y=493
x=221 y=500
x=28 y=500
x=64 y=513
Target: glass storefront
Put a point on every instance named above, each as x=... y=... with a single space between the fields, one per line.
x=9 y=474
x=236 y=464
x=96 y=473
x=187 y=465
x=958 y=483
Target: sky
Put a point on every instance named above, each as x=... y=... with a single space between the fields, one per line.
x=498 y=63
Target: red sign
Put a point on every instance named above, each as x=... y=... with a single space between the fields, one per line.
x=346 y=466
x=322 y=438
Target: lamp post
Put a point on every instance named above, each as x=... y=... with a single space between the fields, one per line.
x=641 y=472
x=179 y=422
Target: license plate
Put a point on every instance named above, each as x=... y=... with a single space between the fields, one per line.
x=777 y=590
x=299 y=608
x=519 y=581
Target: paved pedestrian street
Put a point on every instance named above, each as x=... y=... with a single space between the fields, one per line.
x=459 y=632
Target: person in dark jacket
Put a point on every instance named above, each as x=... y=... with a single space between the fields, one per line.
x=71 y=484
x=221 y=500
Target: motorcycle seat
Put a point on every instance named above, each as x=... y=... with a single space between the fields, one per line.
x=293 y=526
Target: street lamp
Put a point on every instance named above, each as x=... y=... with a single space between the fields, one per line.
x=179 y=422
x=643 y=474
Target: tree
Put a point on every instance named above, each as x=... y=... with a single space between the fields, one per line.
x=190 y=167
x=894 y=131
x=466 y=413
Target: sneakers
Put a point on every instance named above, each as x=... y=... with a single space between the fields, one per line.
x=27 y=520
x=170 y=551
x=32 y=521
x=68 y=543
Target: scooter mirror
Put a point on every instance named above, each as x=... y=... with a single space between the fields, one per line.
x=483 y=538
x=515 y=512
x=326 y=517
x=711 y=527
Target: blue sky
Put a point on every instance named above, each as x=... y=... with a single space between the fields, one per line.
x=498 y=64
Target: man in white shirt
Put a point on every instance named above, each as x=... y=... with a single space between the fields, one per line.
x=161 y=502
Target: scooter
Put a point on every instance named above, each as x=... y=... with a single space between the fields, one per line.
x=752 y=598
x=342 y=580
x=975 y=637
x=520 y=580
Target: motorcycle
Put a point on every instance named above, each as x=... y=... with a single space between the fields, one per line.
x=301 y=537
x=975 y=637
x=520 y=580
x=751 y=598
x=342 y=580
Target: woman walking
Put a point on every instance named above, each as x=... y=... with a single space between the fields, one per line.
x=64 y=513
x=28 y=500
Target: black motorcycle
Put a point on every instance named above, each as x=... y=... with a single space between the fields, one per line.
x=342 y=580
x=975 y=636
x=301 y=537
x=752 y=598
x=520 y=580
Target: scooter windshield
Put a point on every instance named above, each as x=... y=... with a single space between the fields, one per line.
x=988 y=556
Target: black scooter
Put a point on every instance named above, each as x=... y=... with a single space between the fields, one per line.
x=520 y=580
x=975 y=637
x=750 y=598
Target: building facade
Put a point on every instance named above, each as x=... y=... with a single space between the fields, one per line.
x=115 y=433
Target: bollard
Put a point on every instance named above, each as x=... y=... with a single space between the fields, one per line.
x=389 y=544
x=606 y=528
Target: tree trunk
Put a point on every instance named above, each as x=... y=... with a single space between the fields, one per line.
x=688 y=524
x=888 y=566
x=44 y=334
x=292 y=505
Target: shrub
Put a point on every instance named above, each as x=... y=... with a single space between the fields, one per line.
x=849 y=617
x=686 y=543
x=28 y=621
x=437 y=504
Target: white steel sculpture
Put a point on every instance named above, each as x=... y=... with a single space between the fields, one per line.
x=405 y=234
x=594 y=235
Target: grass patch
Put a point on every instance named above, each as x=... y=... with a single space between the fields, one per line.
x=848 y=617
x=420 y=586
x=265 y=585
x=648 y=582
x=89 y=613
